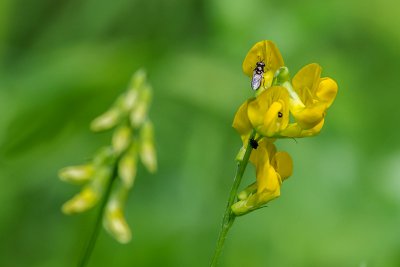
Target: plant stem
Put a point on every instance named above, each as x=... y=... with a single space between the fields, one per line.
x=96 y=230
x=229 y=217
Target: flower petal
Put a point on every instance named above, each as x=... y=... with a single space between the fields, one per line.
x=295 y=131
x=327 y=90
x=283 y=164
x=310 y=116
x=305 y=82
x=241 y=121
x=269 y=112
x=263 y=51
x=265 y=172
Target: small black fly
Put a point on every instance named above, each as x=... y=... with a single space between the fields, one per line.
x=253 y=143
x=257 y=75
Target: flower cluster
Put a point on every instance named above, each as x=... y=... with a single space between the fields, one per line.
x=282 y=108
x=114 y=167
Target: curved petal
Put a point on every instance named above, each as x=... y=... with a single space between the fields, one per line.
x=305 y=82
x=283 y=164
x=310 y=116
x=295 y=131
x=269 y=195
x=241 y=121
x=269 y=112
x=327 y=90
x=263 y=51
x=267 y=177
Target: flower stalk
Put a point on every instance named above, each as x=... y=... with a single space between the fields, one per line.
x=96 y=229
x=229 y=216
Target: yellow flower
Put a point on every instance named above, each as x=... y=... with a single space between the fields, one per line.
x=272 y=168
x=311 y=96
x=267 y=114
x=267 y=53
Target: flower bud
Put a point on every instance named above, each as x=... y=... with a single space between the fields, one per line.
x=90 y=194
x=282 y=75
x=81 y=202
x=127 y=166
x=139 y=114
x=114 y=219
x=106 y=121
x=147 y=150
x=138 y=79
x=148 y=157
x=77 y=174
x=130 y=99
x=121 y=139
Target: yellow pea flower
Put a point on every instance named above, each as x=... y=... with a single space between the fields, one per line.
x=267 y=114
x=311 y=96
x=272 y=168
x=267 y=53
x=282 y=108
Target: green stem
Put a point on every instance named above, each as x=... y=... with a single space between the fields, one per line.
x=96 y=230
x=229 y=217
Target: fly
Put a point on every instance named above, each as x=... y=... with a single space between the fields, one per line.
x=257 y=75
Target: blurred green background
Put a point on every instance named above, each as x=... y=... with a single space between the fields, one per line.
x=64 y=62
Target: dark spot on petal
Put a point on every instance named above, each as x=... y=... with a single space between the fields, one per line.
x=280 y=114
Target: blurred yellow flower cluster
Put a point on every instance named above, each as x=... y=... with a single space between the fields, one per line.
x=282 y=108
x=112 y=171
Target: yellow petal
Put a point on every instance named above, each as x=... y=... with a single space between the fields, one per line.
x=306 y=81
x=241 y=121
x=268 y=77
x=310 y=116
x=267 y=179
x=270 y=125
x=271 y=148
x=268 y=195
x=295 y=131
x=269 y=112
x=262 y=167
x=327 y=91
x=263 y=51
x=283 y=164
x=254 y=157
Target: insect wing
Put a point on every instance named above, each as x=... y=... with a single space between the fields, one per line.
x=256 y=81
